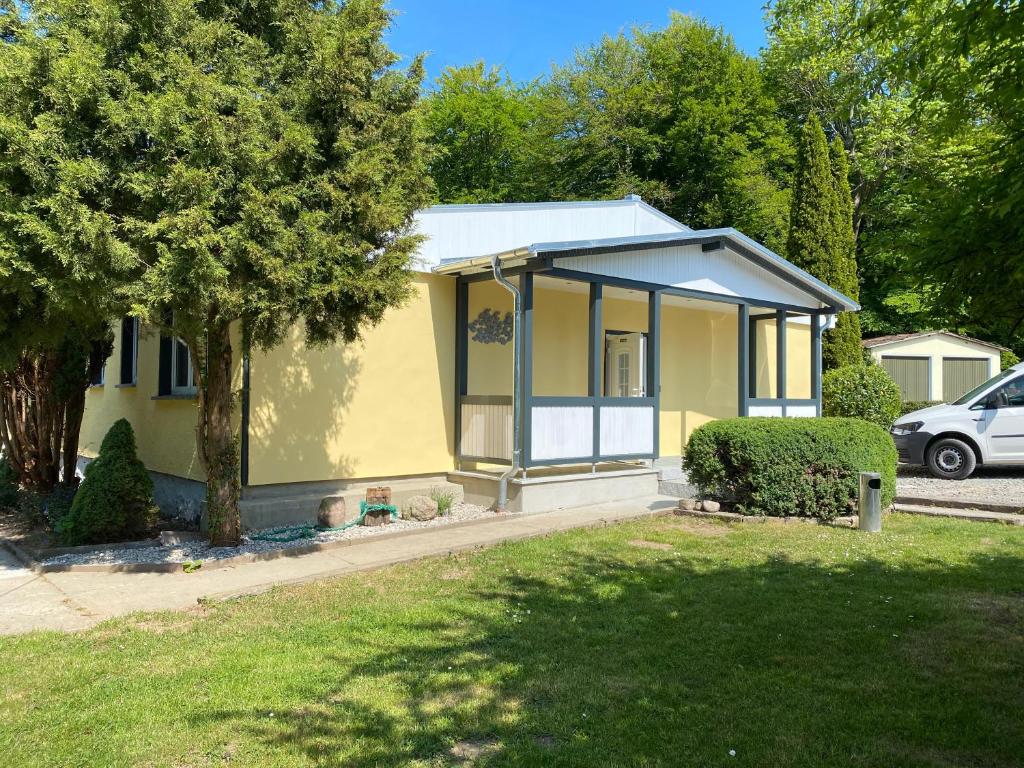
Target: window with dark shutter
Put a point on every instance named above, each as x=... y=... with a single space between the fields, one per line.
x=129 y=350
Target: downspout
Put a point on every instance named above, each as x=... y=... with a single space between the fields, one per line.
x=517 y=394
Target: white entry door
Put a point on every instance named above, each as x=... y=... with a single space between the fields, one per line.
x=625 y=365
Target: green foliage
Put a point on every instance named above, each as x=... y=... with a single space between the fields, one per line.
x=1007 y=359
x=8 y=485
x=811 y=242
x=861 y=391
x=444 y=497
x=779 y=467
x=915 y=405
x=821 y=238
x=480 y=124
x=115 y=500
x=677 y=115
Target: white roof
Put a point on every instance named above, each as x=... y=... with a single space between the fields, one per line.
x=456 y=232
x=722 y=262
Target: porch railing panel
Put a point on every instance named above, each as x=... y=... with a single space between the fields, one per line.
x=773 y=406
x=486 y=428
x=590 y=429
x=561 y=432
x=627 y=431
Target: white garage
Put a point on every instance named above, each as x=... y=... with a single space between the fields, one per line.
x=935 y=365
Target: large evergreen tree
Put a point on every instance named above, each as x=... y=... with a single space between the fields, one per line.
x=284 y=157
x=821 y=233
x=841 y=345
x=257 y=162
x=811 y=242
x=61 y=262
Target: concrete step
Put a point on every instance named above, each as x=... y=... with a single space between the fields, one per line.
x=680 y=489
x=272 y=510
x=975 y=515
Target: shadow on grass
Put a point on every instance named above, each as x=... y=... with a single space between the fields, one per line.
x=659 y=658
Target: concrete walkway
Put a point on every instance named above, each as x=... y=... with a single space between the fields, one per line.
x=71 y=601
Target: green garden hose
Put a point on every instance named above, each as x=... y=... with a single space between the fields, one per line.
x=288 y=533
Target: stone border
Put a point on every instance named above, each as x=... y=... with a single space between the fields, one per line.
x=228 y=562
x=849 y=521
x=984 y=506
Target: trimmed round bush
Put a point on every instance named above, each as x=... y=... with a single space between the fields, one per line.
x=115 y=500
x=861 y=392
x=790 y=467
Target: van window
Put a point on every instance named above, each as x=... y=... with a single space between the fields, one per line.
x=982 y=387
x=1010 y=395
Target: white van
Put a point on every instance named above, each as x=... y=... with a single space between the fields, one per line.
x=985 y=426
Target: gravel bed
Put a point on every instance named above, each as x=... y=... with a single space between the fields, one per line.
x=202 y=551
x=999 y=485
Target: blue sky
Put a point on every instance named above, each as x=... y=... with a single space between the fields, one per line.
x=529 y=35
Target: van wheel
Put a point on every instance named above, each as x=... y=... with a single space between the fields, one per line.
x=951 y=459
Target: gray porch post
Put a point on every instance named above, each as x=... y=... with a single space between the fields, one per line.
x=743 y=357
x=595 y=353
x=752 y=325
x=654 y=360
x=461 y=359
x=816 y=360
x=526 y=371
x=780 y=357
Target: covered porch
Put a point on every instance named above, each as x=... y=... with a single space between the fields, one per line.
x=615 y=351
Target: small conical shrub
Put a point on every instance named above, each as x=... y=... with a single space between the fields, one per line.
x=115 y=500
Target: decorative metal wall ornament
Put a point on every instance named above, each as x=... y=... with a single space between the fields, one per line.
x=491 y=327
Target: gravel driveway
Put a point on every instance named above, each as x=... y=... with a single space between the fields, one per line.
x=1001 y=485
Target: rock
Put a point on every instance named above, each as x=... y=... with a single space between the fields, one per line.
x=332 y=512
x=177 y=538
x=421 y=508
x=687 y=505
x=710 y=506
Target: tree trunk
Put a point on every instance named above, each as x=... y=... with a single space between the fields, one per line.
x=32 y=421
x=218 y=445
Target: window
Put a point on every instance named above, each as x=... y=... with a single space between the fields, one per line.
x=98 y=378
x=129 y=351
x=1010 y=395
x=982 y=387
x=183 y=381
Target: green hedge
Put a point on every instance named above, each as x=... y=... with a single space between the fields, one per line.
x=862 y=392
x=778 y=467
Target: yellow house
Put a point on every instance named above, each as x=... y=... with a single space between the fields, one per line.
x=552 y=354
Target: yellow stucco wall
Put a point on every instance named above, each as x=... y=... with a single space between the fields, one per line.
x=382 y=407
x=798 y=359
x=164 y=428
x=937 y=347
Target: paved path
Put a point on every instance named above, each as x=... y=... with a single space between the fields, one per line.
x=31 y=601
x=69 y=601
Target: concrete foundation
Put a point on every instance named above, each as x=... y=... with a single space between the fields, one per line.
x=270 y=506
x=546 y=490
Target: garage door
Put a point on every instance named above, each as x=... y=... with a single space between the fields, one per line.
x=962 y=374
x=911 y=374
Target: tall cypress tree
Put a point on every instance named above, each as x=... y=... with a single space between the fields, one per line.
x=841 y=345
x=821 y=235
x=811 y=242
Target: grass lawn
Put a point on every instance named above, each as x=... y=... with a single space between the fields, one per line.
x=659 y=643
